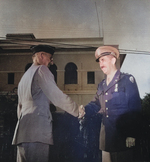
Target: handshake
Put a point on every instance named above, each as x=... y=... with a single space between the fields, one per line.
x=81 y=112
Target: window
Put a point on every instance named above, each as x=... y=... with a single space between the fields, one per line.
x=71 y=73
x=90 y=78
x=53 y=69
x=11 y=78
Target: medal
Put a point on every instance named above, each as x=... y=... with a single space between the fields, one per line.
x=116 y=88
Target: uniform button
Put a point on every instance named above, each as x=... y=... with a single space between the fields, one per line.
x=106 y=100
x=107 y=116
x=106 y=108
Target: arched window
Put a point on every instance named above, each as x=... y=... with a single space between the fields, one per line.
x=71 y=73
x=53 y=69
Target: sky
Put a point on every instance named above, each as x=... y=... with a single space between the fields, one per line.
x=138 y=66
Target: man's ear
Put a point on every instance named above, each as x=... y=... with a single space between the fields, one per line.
x=114 y=60
x=41 y=55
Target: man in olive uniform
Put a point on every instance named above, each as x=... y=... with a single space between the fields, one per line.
x=117 y=99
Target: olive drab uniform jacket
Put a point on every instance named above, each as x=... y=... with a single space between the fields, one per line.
x=36 y=90
x=120 y=106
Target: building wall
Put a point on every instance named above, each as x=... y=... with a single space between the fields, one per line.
x=82 y=92
x=12 y=64
x=122 y=22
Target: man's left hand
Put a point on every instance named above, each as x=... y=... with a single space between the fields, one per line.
x=130 y=142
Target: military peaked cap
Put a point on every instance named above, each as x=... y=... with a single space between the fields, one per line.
x=42 y=48
x=106 y=50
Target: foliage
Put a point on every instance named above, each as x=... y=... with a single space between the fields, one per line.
x=146 y=107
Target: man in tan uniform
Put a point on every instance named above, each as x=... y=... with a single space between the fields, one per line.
x=36 y=89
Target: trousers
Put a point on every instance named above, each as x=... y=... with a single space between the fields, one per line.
x=32 y=152
x=122 y=156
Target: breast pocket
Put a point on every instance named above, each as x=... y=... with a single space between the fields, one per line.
x=119 y=97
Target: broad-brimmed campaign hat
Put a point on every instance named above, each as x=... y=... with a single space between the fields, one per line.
x=42 y=48
x=106 y=50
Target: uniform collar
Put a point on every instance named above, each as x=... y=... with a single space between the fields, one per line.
x=104 y=87
x=113 y=82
